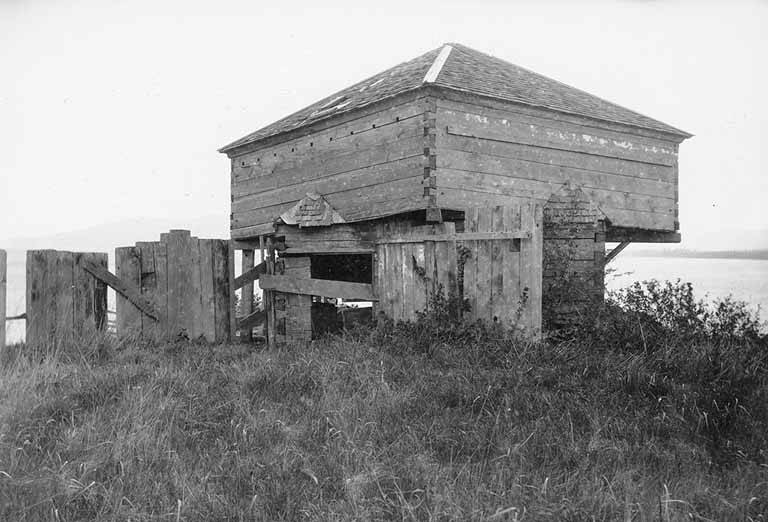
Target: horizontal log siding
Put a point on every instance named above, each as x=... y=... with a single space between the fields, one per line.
x=366 y=168
x=496 y=154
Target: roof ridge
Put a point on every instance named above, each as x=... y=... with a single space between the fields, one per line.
x=437 y=65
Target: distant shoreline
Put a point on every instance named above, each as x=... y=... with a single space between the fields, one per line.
x=702 y=254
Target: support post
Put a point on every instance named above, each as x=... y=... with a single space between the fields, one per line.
x=269 y=295
x=246 y=296
x=3 y=279
x=266 y=303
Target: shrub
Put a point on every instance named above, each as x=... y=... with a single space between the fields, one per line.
x=651 y=314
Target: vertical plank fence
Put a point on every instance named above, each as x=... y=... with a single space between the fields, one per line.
x=64 y=301
x=186 y=281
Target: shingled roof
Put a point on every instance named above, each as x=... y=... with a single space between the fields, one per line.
x=457 y=67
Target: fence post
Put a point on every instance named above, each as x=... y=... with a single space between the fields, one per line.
x=246 y=295
x=3 y=279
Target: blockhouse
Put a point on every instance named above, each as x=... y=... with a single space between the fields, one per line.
x=455 y=171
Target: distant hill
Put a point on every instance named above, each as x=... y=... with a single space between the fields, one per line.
x=703 y=254
x=104 y=238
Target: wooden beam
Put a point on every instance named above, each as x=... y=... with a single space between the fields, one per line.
x=319 y=287
x=634 y=235
x=250 y=276
x=327 y=248
x=251 y=321
x=130 y=292
x=244 y=244
x=615 y=252
x=465 y=236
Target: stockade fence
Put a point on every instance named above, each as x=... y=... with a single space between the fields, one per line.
x=178 y=287
x=181 y=288
x=64 y=300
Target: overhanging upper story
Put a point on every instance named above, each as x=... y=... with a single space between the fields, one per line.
x=451 y=129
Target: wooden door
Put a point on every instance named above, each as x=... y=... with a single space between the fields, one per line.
x=494 y=264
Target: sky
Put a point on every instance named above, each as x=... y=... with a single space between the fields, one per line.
x=113 y=111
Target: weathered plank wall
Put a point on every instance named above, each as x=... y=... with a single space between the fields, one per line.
x=495 y=264
x=64 y=301
x=407 y=274
x=367 y=167
x=502 y=278
x=487 y=154
x=294 y=311
x=187 y=281
x=3 y=279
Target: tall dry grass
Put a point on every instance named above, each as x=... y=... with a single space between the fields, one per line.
x=432 y=420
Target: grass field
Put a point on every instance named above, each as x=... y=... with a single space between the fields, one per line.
x=427 y=421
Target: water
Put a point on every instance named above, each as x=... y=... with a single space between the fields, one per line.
x=745 y=279
x=15 y=300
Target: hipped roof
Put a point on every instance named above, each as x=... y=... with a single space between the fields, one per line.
x=457 y=67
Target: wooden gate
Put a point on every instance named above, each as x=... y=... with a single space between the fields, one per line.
x=494 y=264
x=64 y=300
x=185 y=281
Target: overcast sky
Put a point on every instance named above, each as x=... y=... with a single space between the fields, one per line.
x=114 y=110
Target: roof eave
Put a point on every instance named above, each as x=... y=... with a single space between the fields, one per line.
x=237 y=144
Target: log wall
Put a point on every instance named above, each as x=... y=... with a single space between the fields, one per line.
x=491 y=153
x=367 y=167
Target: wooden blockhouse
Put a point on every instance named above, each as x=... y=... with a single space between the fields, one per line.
x=455 y=170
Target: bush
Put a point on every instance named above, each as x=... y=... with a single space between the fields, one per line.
x=651 y=314
x=441 y=329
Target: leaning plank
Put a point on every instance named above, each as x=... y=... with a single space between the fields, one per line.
x=250 y=275
x=615 y=252
x=125 y=289
x=252 y=320
x=319 y=287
